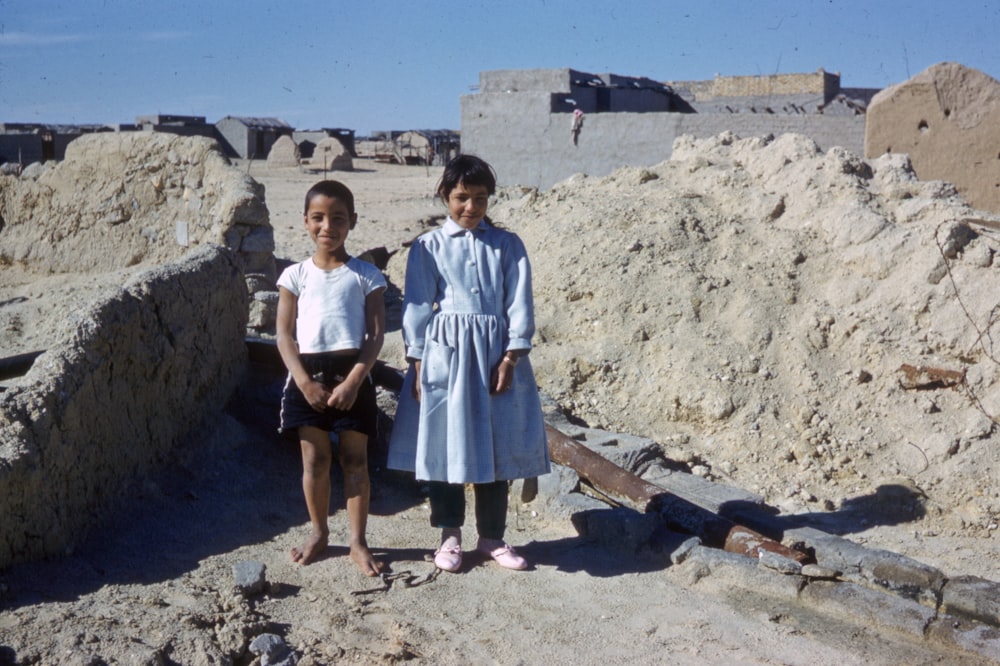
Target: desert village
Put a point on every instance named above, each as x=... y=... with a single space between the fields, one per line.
x=790 y=374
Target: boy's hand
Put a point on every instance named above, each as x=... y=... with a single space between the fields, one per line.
x=316 y=394
x=343 y=395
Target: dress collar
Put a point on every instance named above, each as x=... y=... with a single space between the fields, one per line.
x=453 y=228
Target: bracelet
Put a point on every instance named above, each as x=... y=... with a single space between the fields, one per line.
x=511 y=361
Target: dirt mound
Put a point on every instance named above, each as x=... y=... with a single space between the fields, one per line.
x=750 y=304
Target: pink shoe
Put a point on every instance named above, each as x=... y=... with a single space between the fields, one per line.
x=502 y=554
x=449 y=556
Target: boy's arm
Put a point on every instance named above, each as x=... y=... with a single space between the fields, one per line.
x=374 y=334
x=313 y=391
x=285 y=330
x=344 y=393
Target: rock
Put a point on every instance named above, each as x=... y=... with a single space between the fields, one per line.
x=785 y=565
x=816 y=571
x=249 y=578
x=273 y=651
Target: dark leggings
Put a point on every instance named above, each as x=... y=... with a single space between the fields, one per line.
x=448 y=507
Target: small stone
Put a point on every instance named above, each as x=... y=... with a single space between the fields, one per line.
x=249 y=577
x=816 y=571
x=785 y=565
x=273 y=651
x=682 y=552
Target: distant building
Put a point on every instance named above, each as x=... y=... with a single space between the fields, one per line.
x=308 y=139
x=427 y=146
x=250 y=138
x=182 y=125
x=411 y=146
x=25 y=143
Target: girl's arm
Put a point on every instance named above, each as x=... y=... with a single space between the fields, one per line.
x=519 y=308
x=518 y=300
x=419 y=296
x=313 y=391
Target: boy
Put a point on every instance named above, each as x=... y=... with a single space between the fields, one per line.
x=330 y=329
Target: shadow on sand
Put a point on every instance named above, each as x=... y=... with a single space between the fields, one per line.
x=240 y=486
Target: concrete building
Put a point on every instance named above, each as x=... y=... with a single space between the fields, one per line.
x=528 y=123
x=250 y=138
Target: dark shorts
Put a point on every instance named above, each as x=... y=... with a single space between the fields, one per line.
x=330 y=370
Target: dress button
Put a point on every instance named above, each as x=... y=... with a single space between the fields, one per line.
x=474 y=290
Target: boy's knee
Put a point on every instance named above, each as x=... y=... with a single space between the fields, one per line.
x=353 y=461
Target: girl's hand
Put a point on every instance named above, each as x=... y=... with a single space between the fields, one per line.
x=502 y=377
x=416 y=381
x=316 y=394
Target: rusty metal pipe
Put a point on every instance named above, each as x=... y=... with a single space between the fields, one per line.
x=641 y=495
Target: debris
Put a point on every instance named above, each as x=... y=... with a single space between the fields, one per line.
x=923 y=377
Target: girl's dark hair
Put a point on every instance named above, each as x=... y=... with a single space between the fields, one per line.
x=468 y=170
x=333 y=189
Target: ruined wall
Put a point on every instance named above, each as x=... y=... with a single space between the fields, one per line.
x=778 y=84
x=821 y=83
x=947 y=119
x=133 y=374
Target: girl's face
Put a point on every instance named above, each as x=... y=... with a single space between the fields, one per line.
x=467 y=204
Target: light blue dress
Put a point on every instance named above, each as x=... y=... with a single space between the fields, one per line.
x=467 y=300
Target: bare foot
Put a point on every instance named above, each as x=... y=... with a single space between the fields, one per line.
x=365 y=560
x=315 y=544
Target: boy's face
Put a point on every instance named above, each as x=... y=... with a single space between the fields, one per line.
x=328 y=222
x=467 y=204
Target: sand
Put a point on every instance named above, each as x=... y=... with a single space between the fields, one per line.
x=747 y=305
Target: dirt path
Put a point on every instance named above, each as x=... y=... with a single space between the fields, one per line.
x=155 y=586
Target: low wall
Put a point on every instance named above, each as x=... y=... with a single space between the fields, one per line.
x=132 y=377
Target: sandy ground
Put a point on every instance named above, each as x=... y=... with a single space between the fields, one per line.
x=154 y=584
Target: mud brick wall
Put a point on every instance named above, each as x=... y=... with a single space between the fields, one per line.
x=135 y=374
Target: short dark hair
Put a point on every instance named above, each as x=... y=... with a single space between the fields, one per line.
x=333 y=189
x=468 y=170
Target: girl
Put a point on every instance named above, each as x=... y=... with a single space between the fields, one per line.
x=469 y=410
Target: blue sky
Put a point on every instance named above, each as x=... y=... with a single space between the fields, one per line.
x=404 y=64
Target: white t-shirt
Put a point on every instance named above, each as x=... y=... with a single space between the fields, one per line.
x=331 y=304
